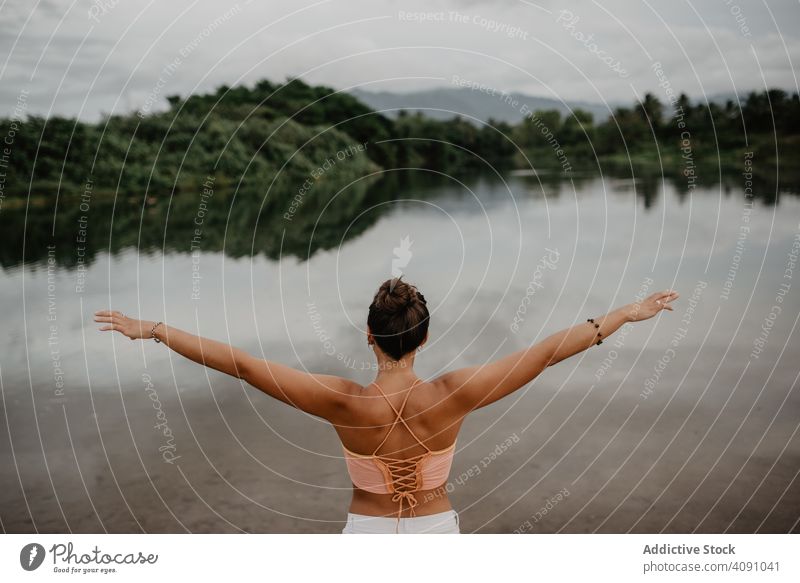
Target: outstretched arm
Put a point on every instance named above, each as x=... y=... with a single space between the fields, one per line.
x=478 y=386
x=316 y=394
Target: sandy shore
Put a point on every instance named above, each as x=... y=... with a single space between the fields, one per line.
x=574 y=460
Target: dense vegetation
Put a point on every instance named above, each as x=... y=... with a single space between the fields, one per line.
x=267 y=140
x=651 y=136
x=274 y=151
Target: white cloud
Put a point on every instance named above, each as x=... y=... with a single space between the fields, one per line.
x=470 y=39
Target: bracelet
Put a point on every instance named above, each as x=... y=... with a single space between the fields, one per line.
x=596 y=325
x=153 y=331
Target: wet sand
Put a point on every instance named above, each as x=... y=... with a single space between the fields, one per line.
x=248 y=463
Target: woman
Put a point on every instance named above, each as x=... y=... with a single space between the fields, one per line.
x=398 y=432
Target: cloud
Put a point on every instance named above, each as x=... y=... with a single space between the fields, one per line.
x=513 y=45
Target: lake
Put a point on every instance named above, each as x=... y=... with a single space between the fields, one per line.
x=684 y=423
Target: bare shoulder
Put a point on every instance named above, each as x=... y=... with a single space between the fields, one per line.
x=449 y=389
x=341 y=388
x=444 y=383
x=344 y=396
x=329 y=396
x=452 y=382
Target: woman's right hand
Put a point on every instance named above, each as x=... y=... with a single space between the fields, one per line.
x=651 y=305
x=130 y=327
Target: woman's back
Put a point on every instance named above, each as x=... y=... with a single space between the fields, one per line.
x=399 y=443
x=369 y=417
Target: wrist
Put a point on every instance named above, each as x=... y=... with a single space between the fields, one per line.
x=144 y=329
x=630 y=311
x=153 y=329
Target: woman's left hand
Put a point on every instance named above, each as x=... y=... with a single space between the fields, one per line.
x=652 y=305
x=133 y=329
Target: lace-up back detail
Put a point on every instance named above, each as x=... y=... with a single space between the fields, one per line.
x=382 y=474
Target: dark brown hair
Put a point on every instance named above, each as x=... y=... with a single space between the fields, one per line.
x=398 y=318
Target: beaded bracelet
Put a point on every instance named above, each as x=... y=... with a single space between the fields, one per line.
x=153 y=331
x=596 y=325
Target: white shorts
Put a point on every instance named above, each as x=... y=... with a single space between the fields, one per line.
x=441 y=523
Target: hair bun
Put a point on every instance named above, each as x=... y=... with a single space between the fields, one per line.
x=395 y=295
x=398 y=318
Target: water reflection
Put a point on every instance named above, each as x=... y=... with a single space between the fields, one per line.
x=76 y=230
x=76 y=399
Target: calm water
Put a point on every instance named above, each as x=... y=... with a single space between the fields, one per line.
x=684 y=422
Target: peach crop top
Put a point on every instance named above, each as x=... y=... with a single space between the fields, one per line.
x=381 y=474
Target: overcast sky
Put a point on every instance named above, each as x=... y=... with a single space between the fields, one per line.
x=88 y=57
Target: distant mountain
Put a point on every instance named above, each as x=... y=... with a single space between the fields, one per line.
x=447 y=102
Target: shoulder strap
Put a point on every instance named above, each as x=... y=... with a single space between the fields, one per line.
x=398 y=417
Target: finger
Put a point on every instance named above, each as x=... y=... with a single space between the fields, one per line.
x=103 y=318
x=668 y=307
x=118 y=314
x=102 y=313
x=106 y=328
